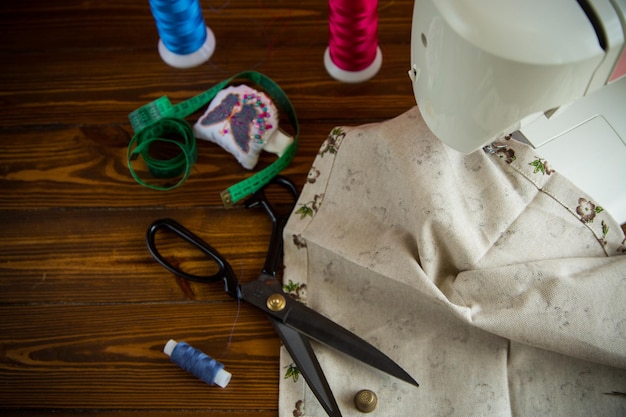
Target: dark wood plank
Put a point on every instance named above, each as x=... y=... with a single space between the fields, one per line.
x=110 y=356
x=65 y=256
x=87 y=167
x=144 y=412
x=48 y=94
x=122 y=49
x=84 y=309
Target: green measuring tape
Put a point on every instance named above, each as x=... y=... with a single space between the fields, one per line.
x=160 y=121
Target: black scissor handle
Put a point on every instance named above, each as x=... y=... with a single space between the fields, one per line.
x=225 y=272
x=259 y=198
x=275 y=249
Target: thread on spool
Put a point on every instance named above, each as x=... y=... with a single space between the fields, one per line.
x=353 y=54
x=197 y=363
x=185 y=40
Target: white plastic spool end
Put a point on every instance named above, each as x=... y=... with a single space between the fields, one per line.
x=189 y=60
x=353 y=77
x=222 y=378
x=169 y=347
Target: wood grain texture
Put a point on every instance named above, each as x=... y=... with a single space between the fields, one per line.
x=84 y=309
x=111 y=354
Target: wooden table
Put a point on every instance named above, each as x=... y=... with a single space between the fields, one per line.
x=84 y=309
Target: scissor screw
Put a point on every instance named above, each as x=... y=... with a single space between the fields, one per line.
x=366 y=401
x=276 y=302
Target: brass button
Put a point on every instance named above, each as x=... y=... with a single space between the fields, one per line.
x=276 y=302
x=365 y=400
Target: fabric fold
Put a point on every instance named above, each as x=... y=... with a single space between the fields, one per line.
x=459 y=267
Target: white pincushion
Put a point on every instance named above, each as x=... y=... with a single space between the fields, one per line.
x=243 y=121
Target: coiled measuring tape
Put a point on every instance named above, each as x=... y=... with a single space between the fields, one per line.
x=160 y=121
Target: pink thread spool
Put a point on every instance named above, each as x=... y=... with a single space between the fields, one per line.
x=353 y=54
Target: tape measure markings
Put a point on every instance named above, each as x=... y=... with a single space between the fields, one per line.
x=160 y=118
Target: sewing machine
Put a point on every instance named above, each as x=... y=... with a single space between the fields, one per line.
x=551 y=73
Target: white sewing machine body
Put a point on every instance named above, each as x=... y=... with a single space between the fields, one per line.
x=550 y=72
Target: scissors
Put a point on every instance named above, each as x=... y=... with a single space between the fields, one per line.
x=295 y=323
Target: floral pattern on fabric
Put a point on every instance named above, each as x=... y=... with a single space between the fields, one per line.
x=311 y=207
x=299 y=410
x=332 y=276
x=541 y=165
x=538 y=169
x=299 y=242
x=312 y=176
x=587 y=210
x=295 y=398
x=507 y=154
x=605 y=231
x=297 y=291
x=292 y=372
x=503 y=151
x=332 y=142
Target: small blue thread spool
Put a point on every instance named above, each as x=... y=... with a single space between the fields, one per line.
x=197 y=363
x=185 y=41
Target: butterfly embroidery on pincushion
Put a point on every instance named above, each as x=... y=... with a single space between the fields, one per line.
x=240 y=121
x=240 y=125
x=222 y=111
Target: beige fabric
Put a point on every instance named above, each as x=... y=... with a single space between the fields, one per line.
x=498 y=285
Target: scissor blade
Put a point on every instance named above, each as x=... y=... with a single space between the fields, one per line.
x=314 y=325
x=320 y=328
x=302 y=353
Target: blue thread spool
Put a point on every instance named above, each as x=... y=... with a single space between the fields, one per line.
x=197 y=363
x=185 y=41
